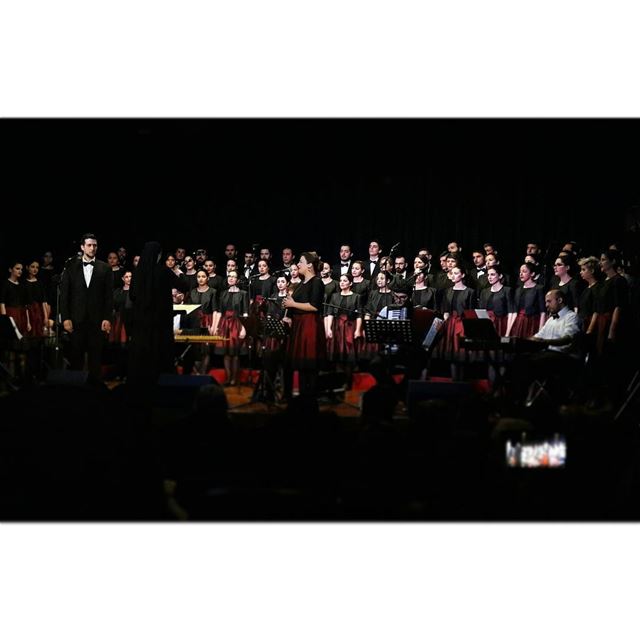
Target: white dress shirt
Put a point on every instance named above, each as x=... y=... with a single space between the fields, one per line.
x=566 y=325
x=88 y=272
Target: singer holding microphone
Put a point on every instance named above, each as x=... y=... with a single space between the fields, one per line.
x=306 y=351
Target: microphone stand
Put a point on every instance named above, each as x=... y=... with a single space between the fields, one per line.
x=58 y=359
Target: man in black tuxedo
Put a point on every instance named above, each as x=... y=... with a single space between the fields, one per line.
x=86 y=306
x=346 y=260
x=373 y=265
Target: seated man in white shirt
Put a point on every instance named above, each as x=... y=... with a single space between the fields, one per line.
x=559 y=363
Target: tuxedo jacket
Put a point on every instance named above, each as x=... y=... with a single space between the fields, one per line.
x=337 y=268
x=367 y=270
x=80 y=303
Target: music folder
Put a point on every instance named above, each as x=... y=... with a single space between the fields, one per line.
x=185 y=308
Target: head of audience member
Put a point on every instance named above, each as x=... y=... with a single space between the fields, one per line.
x=230 y=251
x=232 y=265
x=180 y=254
x=263 y=267
x=265 y=254
x=454 y=247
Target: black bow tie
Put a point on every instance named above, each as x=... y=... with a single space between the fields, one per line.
x=555 y=316
x=86 y=264
x=345 y=264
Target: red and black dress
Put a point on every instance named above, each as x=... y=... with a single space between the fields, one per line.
x=233 y=305
x=499 y=304
x=35 y=297
x=455 y=303
x=207 y=301
x=307 y=344
x=342 y=346
x=587 y=303
x=122 y=317
x=613 y=293
x=529 y=304
x=424 y=298
x=13 y=296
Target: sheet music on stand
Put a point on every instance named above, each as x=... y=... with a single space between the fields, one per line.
x=185 y=308
x=274 y=328
x=433 y=332
x=388 y=331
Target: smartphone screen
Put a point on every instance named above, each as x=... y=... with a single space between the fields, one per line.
x=544 y=454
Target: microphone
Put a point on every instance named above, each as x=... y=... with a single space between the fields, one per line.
x=256 y=276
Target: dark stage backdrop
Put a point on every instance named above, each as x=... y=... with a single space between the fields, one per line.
x=314 y=184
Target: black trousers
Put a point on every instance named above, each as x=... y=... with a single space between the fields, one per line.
x=87 y=338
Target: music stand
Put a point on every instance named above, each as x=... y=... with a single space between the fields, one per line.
x=9 y=338
x=265 y=387
x=388 y=331
x=480 y=329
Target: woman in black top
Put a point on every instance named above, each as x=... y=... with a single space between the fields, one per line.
x=307 y=345
x=13 y=300
x=35 y=297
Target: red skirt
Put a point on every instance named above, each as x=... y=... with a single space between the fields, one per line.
x=19 y=314
x=230 y=327
x=525 y=326
x=118 y=334
x=499 y=322
x=307 y=343
x=205 y=319
x=36 y=319
x=603 y=322
x=449 y=347
x=342 y=347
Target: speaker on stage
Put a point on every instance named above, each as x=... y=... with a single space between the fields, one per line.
x=67 y=377
x=419 y=390
x=176 y=391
